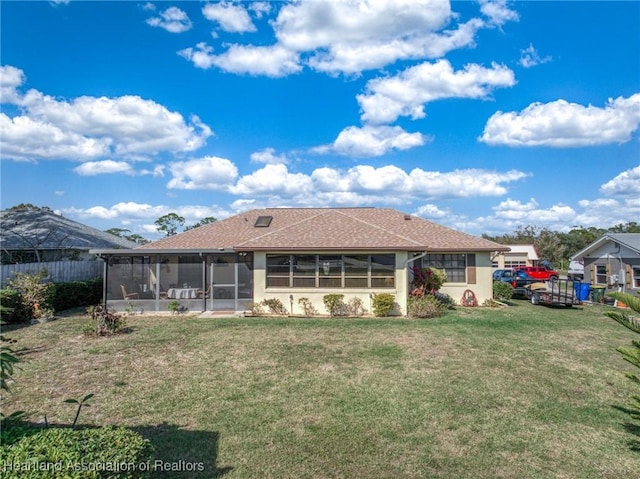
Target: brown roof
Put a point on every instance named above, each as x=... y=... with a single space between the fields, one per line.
x=294 y=229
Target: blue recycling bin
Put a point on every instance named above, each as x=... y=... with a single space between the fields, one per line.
x=582 y=290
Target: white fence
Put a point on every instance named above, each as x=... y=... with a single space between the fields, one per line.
x=59 y=271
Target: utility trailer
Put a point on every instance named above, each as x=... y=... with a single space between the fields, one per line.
x=560 y=292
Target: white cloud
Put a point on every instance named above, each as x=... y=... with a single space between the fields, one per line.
x=10 y=79
x=386 y=99
x=260 y=9
x=87 y=128
x=347 y=36
x=529 y=57
x=92 y=168
x=268 y=156
x=498 y=12
x=231 y=17
x=563 y=124
x=365 y=184
x=626 y=184
x=172 y=20
x=273 y=179
x=433 y=212
x=208 y=173
x=271 y=61
x=370 y=140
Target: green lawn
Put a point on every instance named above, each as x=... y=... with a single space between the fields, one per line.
x=522 y=392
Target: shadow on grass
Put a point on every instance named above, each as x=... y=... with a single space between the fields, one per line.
x=631 y=428
x=177 y=452
x=183 y=453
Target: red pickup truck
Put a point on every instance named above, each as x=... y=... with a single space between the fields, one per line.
x=540 y=272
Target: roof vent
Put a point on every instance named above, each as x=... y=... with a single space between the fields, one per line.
x=263 y=221
x=407 y=217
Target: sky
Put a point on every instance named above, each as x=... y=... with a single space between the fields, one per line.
x=483 y=116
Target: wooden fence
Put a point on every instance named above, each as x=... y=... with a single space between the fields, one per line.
x=59 y=271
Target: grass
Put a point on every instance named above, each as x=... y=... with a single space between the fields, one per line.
x=522 y=392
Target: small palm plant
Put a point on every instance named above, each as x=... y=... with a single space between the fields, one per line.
x=629 y=353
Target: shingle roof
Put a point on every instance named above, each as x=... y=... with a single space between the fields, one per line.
x=31 y=228
x=326 y=229
x=629 y=240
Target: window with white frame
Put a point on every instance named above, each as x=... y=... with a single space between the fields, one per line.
x=601 y=274
x=636 y=277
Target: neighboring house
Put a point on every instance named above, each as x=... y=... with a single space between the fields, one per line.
x=613 y=260
x=293 y=253
x=35 y=235
x=518 y=255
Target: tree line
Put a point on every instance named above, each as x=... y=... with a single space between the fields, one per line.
x=558 y=247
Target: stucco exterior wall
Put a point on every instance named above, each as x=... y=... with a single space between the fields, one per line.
x=290 y=296
x=482 y=288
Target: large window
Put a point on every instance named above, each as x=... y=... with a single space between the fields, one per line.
x=455 y=265
x=601 y=274
x=331 y=271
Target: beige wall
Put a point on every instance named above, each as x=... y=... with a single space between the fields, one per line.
x=315 y=295
x=483 y=289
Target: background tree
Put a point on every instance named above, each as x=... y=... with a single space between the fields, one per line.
x=202 y=222
x=119 y=232
x=169 y=224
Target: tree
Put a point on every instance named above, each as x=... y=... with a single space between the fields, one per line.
x=119 y=232
x=630 y=353
x=136 y=238
x=202 y=222
x=169 y=224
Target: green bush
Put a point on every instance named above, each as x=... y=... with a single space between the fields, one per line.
x=383 y=304
x=275 y=306
x=502 y=291
x=106 y=452
x=13 y=309
x=334 y=304
x=35 y=293
x=76 y=293
x=427 y=306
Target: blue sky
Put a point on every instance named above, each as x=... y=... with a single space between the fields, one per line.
x=482 y=116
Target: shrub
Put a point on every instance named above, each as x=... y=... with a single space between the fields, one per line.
x=355 y=307
x=427 y=306
x=76 y=293
x=383 y=304
x=427 y=280
x=84 y=453
x=104 y=322
x=12 y=308
x=35 y=295
x=307 y=307
x=334 y=304
x=502 y=291
x=255 y=308
x=275 y=306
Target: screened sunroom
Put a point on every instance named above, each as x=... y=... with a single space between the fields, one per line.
x=144 y=280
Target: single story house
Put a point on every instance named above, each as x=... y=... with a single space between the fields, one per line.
x=612 y=261
x=518 y=255
x=293 y=253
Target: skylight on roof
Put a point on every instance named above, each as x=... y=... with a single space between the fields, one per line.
x=263 y=221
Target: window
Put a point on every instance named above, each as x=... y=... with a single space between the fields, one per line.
x=331 y=271
x=515 y=264
x=455 y=265
x=601 y=274
x=636 y=277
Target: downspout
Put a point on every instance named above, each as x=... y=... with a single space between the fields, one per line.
x=204 y=282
